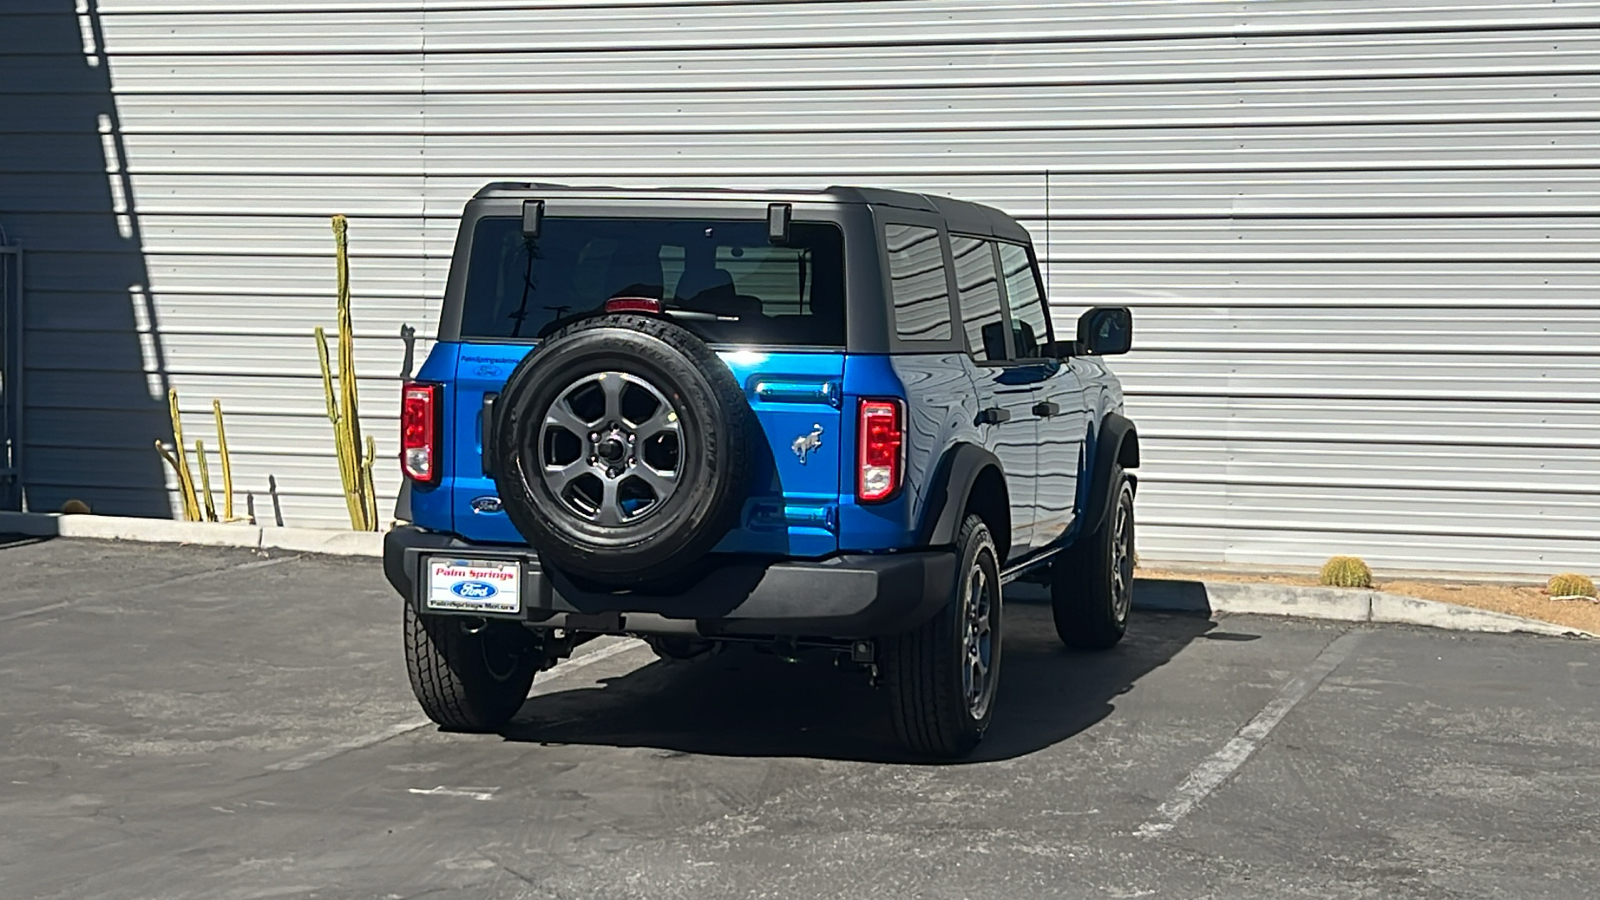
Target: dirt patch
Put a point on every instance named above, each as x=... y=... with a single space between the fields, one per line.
x=1529 y=601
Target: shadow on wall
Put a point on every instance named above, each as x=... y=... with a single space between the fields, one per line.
x=96 y=375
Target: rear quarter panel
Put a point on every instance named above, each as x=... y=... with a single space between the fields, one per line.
x=940 y=409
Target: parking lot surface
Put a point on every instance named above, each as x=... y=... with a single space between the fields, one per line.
x=184 y=722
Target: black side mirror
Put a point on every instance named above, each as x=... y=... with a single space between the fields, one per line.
x=1105 y=331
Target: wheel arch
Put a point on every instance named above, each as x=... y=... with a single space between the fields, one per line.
x=1116 y=445
x=969 y=479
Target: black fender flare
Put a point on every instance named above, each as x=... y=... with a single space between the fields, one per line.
x=951 y=486
x=1117 y=442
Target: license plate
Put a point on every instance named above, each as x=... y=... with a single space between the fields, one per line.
x=469 y=585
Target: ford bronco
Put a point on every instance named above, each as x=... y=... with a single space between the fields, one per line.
x=836 y=420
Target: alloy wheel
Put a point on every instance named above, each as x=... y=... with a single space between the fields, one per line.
x=611 y=448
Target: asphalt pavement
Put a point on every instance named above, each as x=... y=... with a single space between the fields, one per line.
x=182 y=722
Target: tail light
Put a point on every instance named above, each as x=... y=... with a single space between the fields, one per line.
x=419 y=432
x=880 y=434
x=634 y=305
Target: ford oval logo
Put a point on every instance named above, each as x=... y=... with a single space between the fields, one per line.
x=474 y=590
x=486 y=505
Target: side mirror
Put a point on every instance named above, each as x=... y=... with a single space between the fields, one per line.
x=1105 y=331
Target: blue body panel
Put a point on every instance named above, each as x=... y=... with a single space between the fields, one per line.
x=939 y=409
x=432 y=507
x=481 y=369
x=792 y=507
x=800 y=509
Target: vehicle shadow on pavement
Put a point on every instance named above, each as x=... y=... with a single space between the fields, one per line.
x=745 y=702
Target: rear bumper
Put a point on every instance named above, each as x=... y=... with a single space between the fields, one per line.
x=849 y=596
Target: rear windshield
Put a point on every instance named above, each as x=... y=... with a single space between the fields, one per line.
x=722 y=280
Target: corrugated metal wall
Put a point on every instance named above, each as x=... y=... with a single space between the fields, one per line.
x=1360 y=234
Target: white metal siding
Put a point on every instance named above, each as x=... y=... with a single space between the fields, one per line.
x=1360 y=235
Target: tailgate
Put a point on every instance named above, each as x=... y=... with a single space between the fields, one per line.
x=481 y=372
x=793 y=501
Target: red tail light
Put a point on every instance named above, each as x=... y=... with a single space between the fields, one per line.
x=879 y=458
x=633 y=304
x=419 y=432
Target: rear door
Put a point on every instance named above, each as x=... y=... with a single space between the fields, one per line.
x=774 y=313
x=1005 y=385
x=1058 y=407
x=481 y=372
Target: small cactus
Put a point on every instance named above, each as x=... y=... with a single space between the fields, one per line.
x=1346 y=571
x=1569 y=584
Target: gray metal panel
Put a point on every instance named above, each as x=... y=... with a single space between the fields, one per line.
x=1359 y=235
x=12 y=485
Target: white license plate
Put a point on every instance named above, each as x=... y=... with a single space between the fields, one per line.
x=469 y=585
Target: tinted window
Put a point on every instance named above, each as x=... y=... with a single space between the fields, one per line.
x=1028 y=313
x=917 y=279
x=978 y=293
x=723 y=279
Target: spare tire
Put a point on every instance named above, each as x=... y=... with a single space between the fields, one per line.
x=622 y=446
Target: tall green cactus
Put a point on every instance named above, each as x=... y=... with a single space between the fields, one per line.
x=355 y=469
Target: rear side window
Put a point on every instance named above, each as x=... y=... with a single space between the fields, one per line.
x=722 y=280
x=978 y=294
x=1028 y=313
x=919 y=289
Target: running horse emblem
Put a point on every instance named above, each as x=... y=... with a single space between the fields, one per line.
x=805 y=443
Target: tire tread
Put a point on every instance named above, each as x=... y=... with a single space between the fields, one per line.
x=449 y=684
x=1080 y=585
x=928 y=716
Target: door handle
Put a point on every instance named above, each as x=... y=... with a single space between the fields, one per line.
x=1044 y=409
x=994 y=415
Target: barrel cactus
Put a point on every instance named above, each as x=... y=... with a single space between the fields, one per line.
x=1569 y=584
x=1346 y=571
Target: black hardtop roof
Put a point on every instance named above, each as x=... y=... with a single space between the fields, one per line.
x=961 y=216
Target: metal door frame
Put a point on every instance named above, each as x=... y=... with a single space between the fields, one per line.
x=12 y=495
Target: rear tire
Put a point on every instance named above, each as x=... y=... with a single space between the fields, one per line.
x=1091 y=585
x=468 y=681
x=943 y=675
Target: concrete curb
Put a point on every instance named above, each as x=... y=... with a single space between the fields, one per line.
x=1339 y=604
x=166 y=531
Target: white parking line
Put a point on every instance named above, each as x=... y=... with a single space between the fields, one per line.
x=394 y=731
x=1209 y=775
x=475 y=793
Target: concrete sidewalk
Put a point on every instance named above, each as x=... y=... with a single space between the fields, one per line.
x=1199 y=595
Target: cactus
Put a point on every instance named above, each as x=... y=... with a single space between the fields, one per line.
x=355 y=470
x=1346 y=571
x=227 y=465
x=205 y=481
x=1571 y=586
x=178 y=459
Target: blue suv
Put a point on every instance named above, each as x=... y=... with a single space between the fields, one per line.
x=836 y=420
